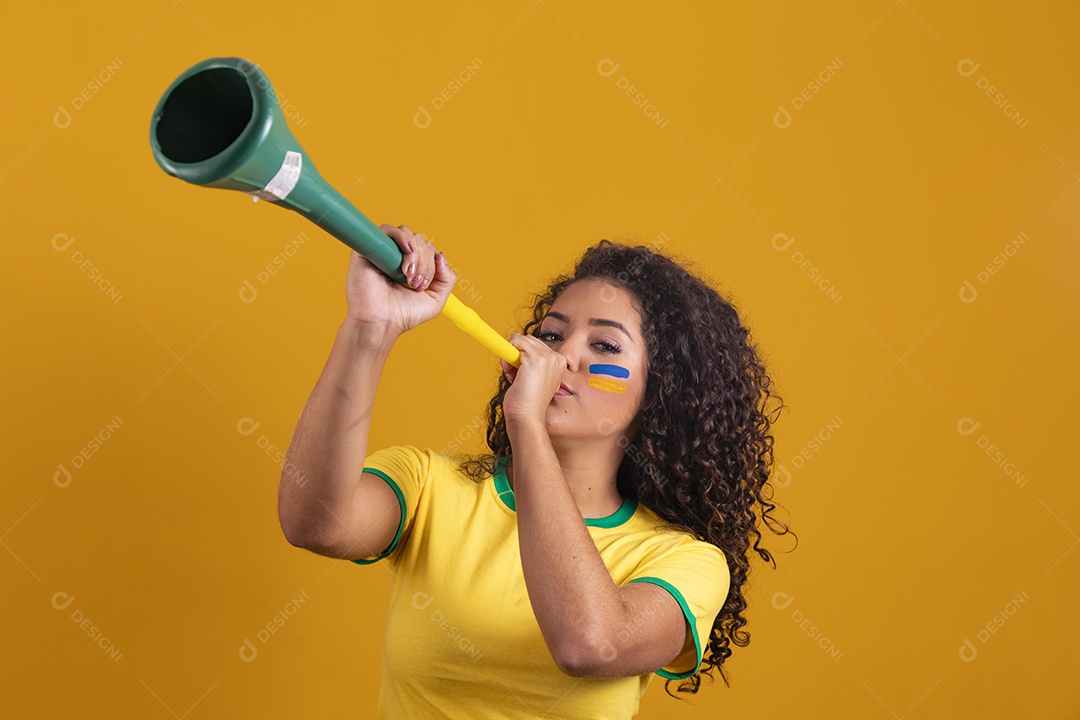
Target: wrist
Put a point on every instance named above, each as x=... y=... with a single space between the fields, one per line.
x=520 y=430
x=368 y=336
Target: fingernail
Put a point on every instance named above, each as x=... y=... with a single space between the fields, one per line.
x=410 y=268
x=412 y=248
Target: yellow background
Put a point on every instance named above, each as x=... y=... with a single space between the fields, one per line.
x=899 y=180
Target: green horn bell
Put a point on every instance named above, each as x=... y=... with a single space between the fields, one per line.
x=220 y=125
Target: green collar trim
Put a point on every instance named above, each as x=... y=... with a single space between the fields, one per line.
x=506 y=494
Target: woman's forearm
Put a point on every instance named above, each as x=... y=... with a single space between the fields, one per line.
x=569 y=586
x=328 y=446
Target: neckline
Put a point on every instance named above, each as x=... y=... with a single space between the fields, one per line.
x=506 y=495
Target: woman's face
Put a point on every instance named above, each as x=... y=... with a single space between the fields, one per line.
x=594 y=324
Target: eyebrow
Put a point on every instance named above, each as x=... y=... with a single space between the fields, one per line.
x=593 y=321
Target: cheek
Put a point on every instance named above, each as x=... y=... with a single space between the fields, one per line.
x=615 y=388
x=609 y=386
x=613 y=379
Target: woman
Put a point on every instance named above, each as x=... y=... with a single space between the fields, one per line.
x=606 y=536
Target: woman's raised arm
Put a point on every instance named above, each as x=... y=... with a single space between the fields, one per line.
x=325 y=504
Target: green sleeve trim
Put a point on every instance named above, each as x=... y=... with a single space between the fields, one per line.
x=401 y=525
x=690 y=619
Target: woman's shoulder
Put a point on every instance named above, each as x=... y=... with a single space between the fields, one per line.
x=664 y=537
x=421 y=463
x=423 y=453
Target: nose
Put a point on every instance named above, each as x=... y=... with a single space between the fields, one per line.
x=571 y=348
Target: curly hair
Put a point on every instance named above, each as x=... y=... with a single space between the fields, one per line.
x=703 y=453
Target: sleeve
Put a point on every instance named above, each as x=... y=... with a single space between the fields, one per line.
x=697 y=576
x=405 y=468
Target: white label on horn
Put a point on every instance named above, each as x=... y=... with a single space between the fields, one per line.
x=283 y=183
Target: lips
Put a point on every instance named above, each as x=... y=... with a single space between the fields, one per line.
x=563 y=390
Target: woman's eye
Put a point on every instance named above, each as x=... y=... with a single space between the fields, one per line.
x=605 y=347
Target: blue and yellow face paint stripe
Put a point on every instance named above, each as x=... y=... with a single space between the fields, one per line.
x=603 y=377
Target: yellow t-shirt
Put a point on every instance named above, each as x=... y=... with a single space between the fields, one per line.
x=461 y=638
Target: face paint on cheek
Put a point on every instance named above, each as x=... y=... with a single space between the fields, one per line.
x=602 y=377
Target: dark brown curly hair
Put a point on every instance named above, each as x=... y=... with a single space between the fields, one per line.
x=703 y=454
